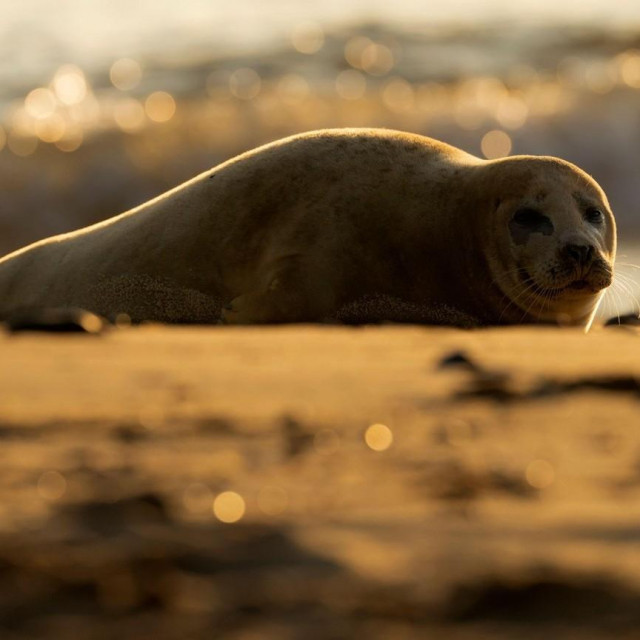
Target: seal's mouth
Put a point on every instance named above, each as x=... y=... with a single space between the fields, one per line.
x=587 y=286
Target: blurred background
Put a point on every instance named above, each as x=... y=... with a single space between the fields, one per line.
x=104 y=104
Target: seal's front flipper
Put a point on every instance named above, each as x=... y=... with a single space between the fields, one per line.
x=245 y=309
x=293 y=293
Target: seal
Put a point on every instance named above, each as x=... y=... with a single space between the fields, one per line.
x=345 y=225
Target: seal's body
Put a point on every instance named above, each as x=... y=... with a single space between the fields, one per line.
x=353 y=225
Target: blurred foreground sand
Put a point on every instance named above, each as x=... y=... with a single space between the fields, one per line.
x=506 y=506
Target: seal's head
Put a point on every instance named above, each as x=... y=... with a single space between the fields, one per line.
x=554 y=239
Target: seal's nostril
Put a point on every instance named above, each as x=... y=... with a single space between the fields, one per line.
x=579 y=253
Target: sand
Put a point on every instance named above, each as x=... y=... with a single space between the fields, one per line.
x=500 y=498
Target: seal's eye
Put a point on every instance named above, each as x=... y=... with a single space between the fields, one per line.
x=526 y=221
x=532 y=220
x=594 y=216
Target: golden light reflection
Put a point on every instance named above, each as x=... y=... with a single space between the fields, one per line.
x=72 y=139
x=20 y=144
x=377 y=59
x=52 y=485
x=496 y=144
x=629 y=68
x=197 y=498
x=40 y=103
x=88 y=111
x=354 y=50
x=122 y=320
x=293 y=88
x=21 y=123
x=52 y=129
x=125 y=74
x=91 y=323
x=378 y=437
x=326 y=442
x=398 y=95
x=3 y=138
x=548 y=98
x=351 y=84
x=160 y=106
x=540 y=474
x=129 y=115
x=307 y=37
x=229 y=507
x=245 y=83
x=70 y=85
x=512 y=112
x=272 y=500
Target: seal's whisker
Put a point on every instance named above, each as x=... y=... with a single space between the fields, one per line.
x=626 y=285
x=521 y=291
x=615 y=298
x=531 y=306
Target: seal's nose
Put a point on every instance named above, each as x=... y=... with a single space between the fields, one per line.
x=580 y=254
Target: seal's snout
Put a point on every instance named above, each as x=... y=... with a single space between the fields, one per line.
x=580 y=255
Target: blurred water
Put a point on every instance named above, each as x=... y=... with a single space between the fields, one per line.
x=38 y=35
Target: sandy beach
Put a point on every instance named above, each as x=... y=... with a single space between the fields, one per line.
x=315 y=482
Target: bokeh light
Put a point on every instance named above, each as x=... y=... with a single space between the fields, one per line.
x=272 y=500
x=72 y=139
x=129 y=115
x=160 y=106
x=52 y=485
x=245 y=83
x=540 y=474
x=354 y=50
x=496 y=144
x=125 y=74
x=377 y=59
x=40 y=103
x=20 y=144
x=307 y=37
x=378 y=437
x=50 y=130
x=512 y=112
x=293 y=89
x=70 y=85
x=628 y=64
x=229 y=507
